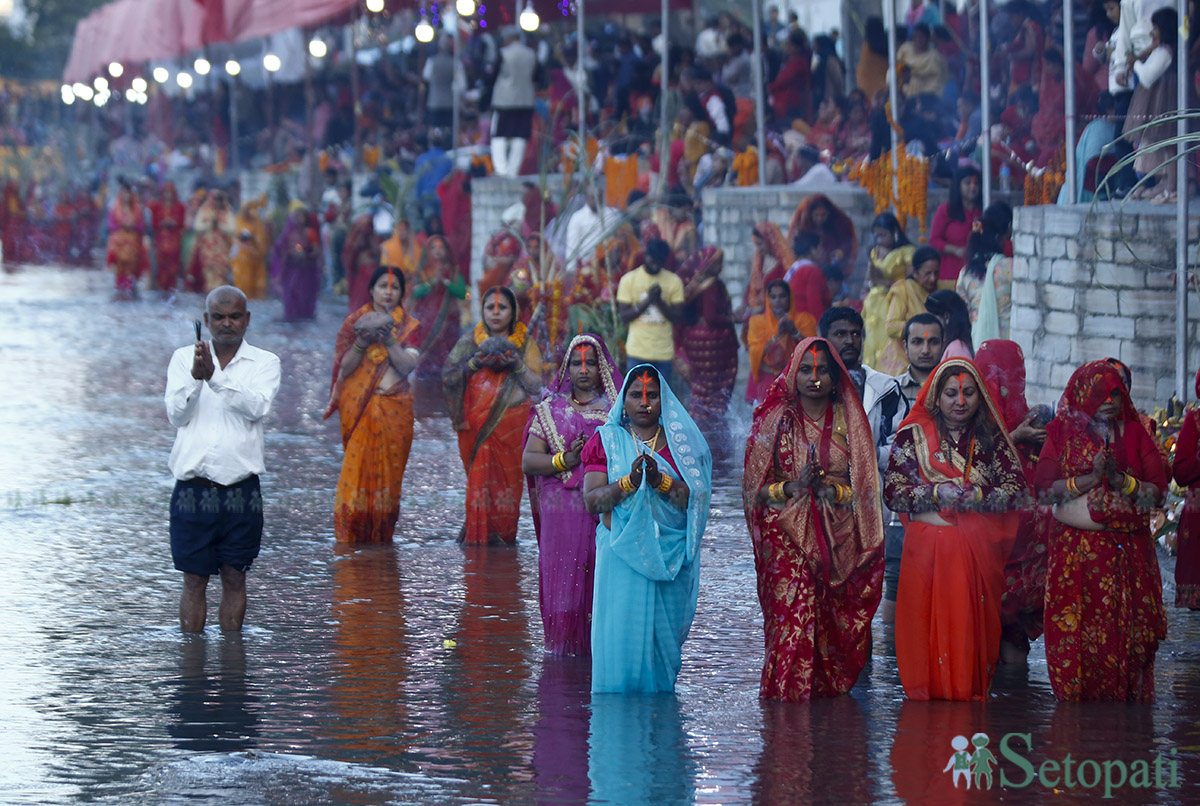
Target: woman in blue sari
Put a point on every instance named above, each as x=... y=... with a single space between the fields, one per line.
x=648 y=474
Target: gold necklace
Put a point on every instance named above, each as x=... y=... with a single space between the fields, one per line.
x=651 y=443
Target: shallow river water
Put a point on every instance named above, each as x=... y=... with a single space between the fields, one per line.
x=414 y=673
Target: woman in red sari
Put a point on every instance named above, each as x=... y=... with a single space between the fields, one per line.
x=361 y=255
x=499 y=256
x=1002 y=364
x=708 y=340
x=955 y=476
x=166 y=217
x=1104 y=610
x=489 y=379
x=126 y=254
x=1187 y=473
x=376 y=350
x=811 y=495
x=839 y=243
x=436 y=305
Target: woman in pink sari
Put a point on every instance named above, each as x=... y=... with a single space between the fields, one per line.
x=578 y=403
x=126 y=254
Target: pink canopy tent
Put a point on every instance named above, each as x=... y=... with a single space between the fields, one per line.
x=138 y=31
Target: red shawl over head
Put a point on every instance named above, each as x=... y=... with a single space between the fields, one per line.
x=1089 y=387
x=1002 y=364
x=836 y=560
x=836 y=235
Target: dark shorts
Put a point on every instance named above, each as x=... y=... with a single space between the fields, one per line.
x=213 y=525
x=513 y=123
x=893 y=548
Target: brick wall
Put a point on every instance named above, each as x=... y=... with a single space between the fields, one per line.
x=1090 y=283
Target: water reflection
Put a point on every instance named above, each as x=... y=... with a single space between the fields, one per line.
x=490 y=665
x=560 y=734
x=212 y=709
x=371 y=645
x=638 y=751
x=813 y=753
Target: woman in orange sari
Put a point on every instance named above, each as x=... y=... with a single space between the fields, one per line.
x=126 y=254
x=1104 y=609
x=811 y=496
x=772 y=336
x=166 y=216
x=955 y=476
x=489 y=379
x=376 y=351
x=772 y=258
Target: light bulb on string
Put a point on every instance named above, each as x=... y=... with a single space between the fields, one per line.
x=233 y=67
x=529 y=19
x=138 y=84
x=317 y=48
x=101 y=83
x=464 y=8
x=424 y=32
x=375 y=6
x=202 y=66
x=161 y=75
x=184 y=80
x=272 y=63
x=115 y=69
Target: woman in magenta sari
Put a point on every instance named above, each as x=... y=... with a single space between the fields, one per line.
x=708 y=340
x=296 y=265
x=577 y=404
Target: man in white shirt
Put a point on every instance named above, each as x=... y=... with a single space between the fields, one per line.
x=813 y=172
x=587 y=228
x=218 y=394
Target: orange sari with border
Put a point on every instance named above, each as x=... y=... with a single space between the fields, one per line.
x=952 y=573
x=489 y=410
x=377 y=434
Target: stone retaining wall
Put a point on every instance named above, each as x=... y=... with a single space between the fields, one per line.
x=1093 y=282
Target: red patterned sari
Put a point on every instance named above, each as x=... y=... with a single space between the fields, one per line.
x=1104 y=609
x=166 y=216
x=377 y=434
x=489 y=410
x=819 y=564
x=1187 y=473
x=125 y=251
x=948 y=608
x=1002 y=364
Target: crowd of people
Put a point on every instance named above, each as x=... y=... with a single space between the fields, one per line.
x=891 y=439
x=931 y=489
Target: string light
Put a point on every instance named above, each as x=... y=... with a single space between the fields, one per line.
x=318 y=48
x=115 y=69
x=203 y=67
x=232 y=67
x=161 y=75
x=271 y=63
x=138 y=84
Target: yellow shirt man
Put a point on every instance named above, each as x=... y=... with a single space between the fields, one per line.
x=651 y=335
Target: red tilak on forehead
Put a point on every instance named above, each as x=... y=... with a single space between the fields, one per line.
x=812 y=351
x=583 y=350
x=961 y=378
x=645 y=378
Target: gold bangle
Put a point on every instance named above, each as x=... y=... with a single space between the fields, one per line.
x=847 y=494
x=1131 y=484
x=1072 y=487
x=837 y=493
x=557 y=461
x=776 y=492
x=666 y=484
x=626 y=485
x=978 y=495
